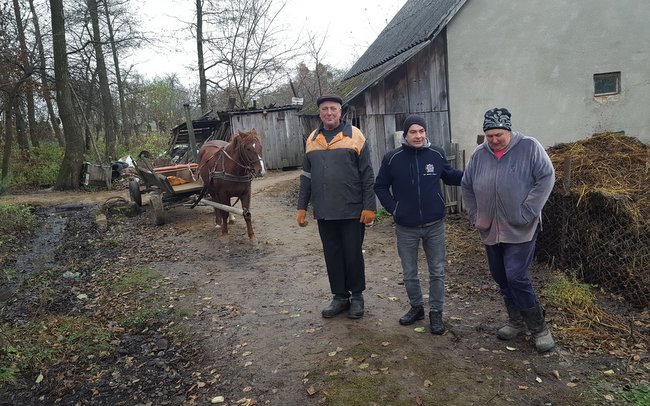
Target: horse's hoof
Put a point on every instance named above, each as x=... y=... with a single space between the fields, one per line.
x=217 y=226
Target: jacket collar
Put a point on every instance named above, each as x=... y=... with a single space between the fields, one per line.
x=347 y=129
x=407 y=147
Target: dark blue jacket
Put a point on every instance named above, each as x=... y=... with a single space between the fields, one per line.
x=408 y=183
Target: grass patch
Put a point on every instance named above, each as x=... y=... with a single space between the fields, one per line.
x=137 y=279
x=566 y=290
x=637 y=395
x=15 y=220
x=7 y=275
x=142 y=315
x=53 y=340
x=39 y=169
x=141 y=285
x=382 y=215
x=361 y=391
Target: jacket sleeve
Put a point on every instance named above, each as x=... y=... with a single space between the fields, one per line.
x=467 y=187
x=304 y=194
x=367 y=179
x=450 y=175
x=383 y=184
x=544 y=180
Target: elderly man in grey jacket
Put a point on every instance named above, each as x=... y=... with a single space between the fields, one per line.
x=505 y=185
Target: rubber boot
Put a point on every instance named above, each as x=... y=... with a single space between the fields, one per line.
x=534 y=319
x=356 y=306
x=515 y=324
x=338 y=305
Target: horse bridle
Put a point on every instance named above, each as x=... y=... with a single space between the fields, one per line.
x=235 y=178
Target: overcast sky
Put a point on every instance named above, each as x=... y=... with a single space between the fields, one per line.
x=351 y=26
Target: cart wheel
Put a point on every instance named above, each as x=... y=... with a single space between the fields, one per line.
x=157 y=209
x=134 y=192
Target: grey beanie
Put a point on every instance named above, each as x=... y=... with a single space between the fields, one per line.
x=497 y=118
x=413 y=119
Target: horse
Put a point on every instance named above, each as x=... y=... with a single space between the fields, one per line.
x=227 y=169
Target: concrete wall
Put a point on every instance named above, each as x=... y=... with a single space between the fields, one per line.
x=538 y=58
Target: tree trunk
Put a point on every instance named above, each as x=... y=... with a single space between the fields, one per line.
x=203 y=84
x=70 y=172
x=28 y=68
x=104 y=90
x=45 y=85
x=9 y=138
x=21 y=128
x=125 y=128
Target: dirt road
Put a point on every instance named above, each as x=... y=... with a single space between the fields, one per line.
x=255 y=312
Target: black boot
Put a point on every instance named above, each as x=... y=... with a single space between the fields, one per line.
x=337 y=306
x=515 y=324
x=534 y=319
x=414 y=314
x=435 y=322
x=356 y=306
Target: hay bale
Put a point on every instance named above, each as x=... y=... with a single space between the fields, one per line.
x=597 y=219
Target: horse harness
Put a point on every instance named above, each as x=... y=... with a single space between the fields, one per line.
x=223 y=175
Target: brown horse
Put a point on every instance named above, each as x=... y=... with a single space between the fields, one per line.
x=227 y=169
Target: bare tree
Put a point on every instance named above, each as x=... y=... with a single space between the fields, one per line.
x=12 y=77
x=108 y=111
x=203 y=83
x=28 y=68
x=125 y=128
x=247 y=53
x=45 y=83
x=70 y=171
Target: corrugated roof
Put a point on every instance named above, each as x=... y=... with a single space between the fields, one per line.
x=418 y=21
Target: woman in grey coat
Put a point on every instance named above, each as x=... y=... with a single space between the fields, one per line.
x=505 y=185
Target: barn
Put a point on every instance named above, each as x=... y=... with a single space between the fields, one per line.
x=565 y=69
x=280 y=130
x=279 y=127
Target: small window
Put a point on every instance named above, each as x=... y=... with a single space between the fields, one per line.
x=607 y=83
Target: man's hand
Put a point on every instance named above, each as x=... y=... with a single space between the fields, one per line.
x=300 y=218
x=367 y=216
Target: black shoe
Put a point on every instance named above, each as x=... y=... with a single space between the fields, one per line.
x=436 y=325
x=356 y=307
x=337 y=306
x=414 y=314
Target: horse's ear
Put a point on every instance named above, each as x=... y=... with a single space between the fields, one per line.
x=255 y=133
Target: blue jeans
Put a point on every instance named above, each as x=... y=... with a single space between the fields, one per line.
x=508 y=265
x=433 y=242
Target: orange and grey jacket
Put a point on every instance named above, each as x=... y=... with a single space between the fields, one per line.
x=337 y=176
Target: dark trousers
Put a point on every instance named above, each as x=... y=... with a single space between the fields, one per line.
x=508 y=265
x=342 y=241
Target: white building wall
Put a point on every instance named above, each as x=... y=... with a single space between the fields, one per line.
x=537 y=58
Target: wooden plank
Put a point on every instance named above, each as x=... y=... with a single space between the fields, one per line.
x=396 y=91
x=186 y=187
x=282 y=136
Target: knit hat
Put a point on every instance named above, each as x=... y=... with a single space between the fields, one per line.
x=413 y=119
x=497 y=118
x=329 y=97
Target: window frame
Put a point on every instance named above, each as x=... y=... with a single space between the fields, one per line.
x=616 y=76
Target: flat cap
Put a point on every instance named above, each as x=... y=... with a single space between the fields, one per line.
x=330 y=98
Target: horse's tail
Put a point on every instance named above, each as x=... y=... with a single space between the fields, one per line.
x=205 y=188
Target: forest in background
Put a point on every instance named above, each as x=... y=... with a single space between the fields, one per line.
x=68 y=94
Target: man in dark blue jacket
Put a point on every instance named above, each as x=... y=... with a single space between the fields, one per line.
x=408 y=186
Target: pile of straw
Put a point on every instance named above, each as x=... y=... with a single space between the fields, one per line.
x=597 y=220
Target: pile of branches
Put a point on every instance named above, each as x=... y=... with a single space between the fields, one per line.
x=597 y=219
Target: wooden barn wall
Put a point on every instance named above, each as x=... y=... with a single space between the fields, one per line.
x=417 y=87
x=282 y=136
